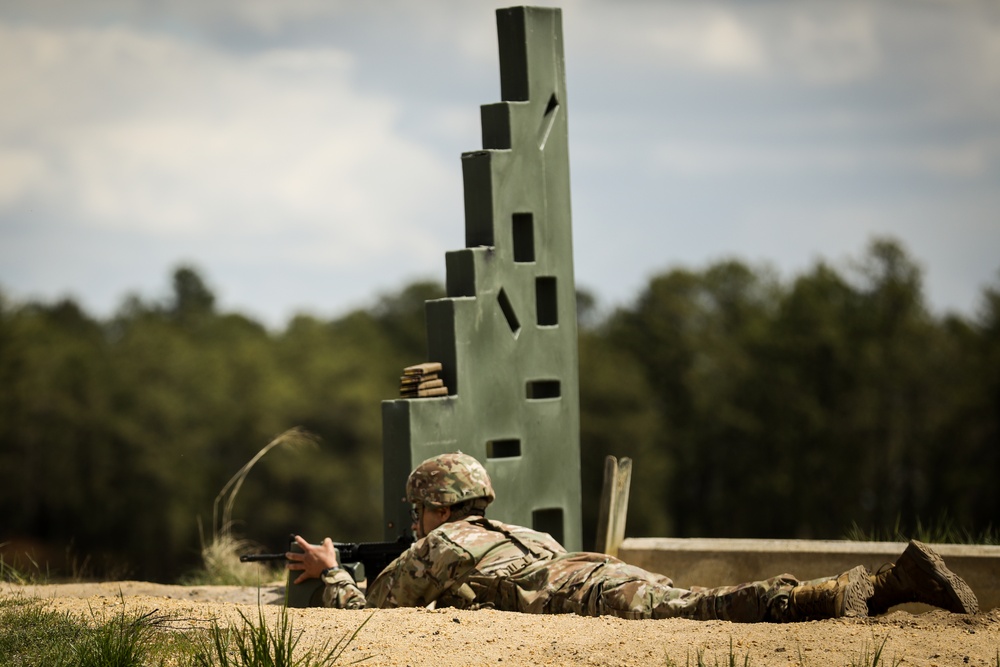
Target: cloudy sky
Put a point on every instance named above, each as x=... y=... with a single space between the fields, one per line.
x=304 y=155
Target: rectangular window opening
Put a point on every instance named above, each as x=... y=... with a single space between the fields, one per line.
x=523 y=231
x=503 y=449
x=546 y=302
x=549 y=521
x=539 y=389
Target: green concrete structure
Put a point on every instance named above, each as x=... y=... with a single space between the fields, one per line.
x=714 y=562
x=506 y=333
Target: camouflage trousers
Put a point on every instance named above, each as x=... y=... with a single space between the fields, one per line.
x=614 y=588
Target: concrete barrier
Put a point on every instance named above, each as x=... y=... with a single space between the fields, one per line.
x=724 y=562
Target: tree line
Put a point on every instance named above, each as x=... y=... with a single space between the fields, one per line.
x=753 y=407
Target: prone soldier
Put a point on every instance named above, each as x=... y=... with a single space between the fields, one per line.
x=462 y=559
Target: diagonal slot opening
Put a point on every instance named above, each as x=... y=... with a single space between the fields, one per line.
x=552 y=105
x=548 y=120
x=508 y=312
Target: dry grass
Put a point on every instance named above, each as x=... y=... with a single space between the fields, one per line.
x=221 y=555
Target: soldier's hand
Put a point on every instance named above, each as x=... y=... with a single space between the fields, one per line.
x=313 y=560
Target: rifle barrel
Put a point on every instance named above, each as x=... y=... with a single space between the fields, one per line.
x=256 y=558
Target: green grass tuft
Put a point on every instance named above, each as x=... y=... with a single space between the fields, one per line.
x=34 y=635
x=942 y=530
x=127 y=639
x=731 y=659
x=16 y=572
x=258 y=644
x=869 y=658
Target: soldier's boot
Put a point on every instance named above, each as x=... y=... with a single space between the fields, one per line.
x=920 y=575
x=846 y=595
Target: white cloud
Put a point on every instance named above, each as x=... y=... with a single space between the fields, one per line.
x=824 y=47
x=20 y=172
x=814 y=43
x=269 y=16
x=663 y=35
x=155 y=135
x=703 y=159
x=241 y=136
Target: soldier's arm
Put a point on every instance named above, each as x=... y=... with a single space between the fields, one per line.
x=341 y=591
x=421 y=574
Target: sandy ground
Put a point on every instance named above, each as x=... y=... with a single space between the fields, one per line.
x=446 y=637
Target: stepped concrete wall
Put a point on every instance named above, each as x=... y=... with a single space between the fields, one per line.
x=723 y=562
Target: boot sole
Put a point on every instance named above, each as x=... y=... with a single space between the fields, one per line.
x=960 y=598
x=859 y=588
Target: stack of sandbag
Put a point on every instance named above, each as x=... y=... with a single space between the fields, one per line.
x=422 y=381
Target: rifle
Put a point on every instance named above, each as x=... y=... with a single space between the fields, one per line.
x=358 y=558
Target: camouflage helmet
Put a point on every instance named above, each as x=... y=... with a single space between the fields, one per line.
x=449 y=479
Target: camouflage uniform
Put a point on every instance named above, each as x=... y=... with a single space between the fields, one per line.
x=470 y=562
x=475 y=562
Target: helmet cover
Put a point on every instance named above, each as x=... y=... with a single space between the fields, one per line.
x=449 y=479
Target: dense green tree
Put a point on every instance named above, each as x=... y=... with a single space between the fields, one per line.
x=695 y=336
x=751 y=407
x=618 y=418
x=808 y=373
x=192 y=298
x=55 y=459
x=775 y=399
x=966 y=446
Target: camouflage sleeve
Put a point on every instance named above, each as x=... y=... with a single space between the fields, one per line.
x=341 y=591
x=421 y=574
